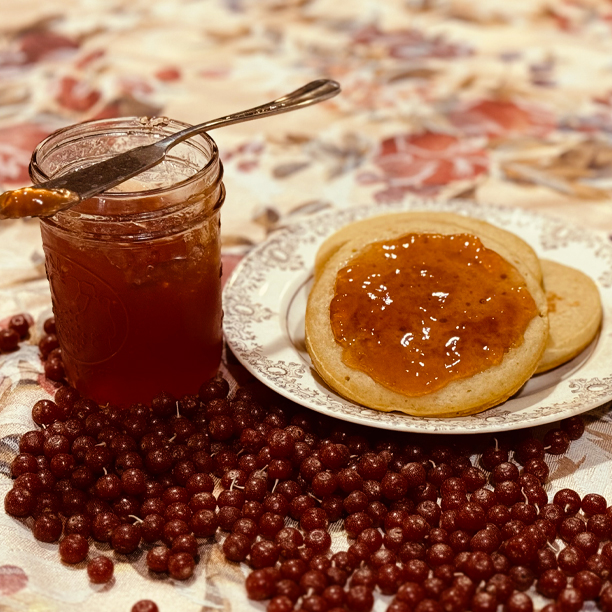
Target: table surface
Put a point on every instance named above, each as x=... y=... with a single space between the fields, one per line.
x=500 y=103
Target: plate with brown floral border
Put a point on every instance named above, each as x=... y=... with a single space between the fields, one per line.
x=265 y=302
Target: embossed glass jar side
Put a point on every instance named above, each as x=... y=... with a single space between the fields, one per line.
x=135 y=272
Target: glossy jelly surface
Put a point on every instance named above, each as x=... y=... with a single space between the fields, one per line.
x=34 y=202
x=422 y=310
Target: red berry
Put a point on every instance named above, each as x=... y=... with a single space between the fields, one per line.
x=73 y=548
x=9 y=340
x=100 y=570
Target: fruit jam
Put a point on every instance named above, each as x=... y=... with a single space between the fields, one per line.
x=135 y=276
x=34 y=202
x=126 y=332
x=420 y=311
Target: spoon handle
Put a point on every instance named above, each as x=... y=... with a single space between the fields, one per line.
x=92 y=180
x=311 y=93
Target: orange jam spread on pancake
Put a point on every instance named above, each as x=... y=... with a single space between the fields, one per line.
x=419 y=311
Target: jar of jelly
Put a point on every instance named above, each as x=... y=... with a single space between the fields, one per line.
x=135 y=272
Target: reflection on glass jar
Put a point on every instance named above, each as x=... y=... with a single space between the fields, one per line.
x=135 y=273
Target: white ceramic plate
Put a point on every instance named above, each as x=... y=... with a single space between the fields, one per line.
x=265 y=301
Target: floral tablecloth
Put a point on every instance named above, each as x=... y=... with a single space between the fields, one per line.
x=508 y=103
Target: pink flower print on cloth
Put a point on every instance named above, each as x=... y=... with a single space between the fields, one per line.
x=499 y=118
x=422 y=163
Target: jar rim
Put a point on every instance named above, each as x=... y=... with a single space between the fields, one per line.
x=132 y=215
x=37 y=173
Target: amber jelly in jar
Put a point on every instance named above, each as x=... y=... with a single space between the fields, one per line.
x=135 y=272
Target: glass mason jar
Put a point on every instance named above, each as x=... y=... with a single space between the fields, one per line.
x=135 y=273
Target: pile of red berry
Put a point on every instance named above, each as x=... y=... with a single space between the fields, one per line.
x=18 y=329
x=426 y=527
x=51 y=353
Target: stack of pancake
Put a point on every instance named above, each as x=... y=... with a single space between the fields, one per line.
x=356 y=354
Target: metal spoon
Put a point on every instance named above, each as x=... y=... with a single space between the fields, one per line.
x=72 y=187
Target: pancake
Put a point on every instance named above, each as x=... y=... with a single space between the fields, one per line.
x=574 y=313
x=519 y=252
x=464 y=396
